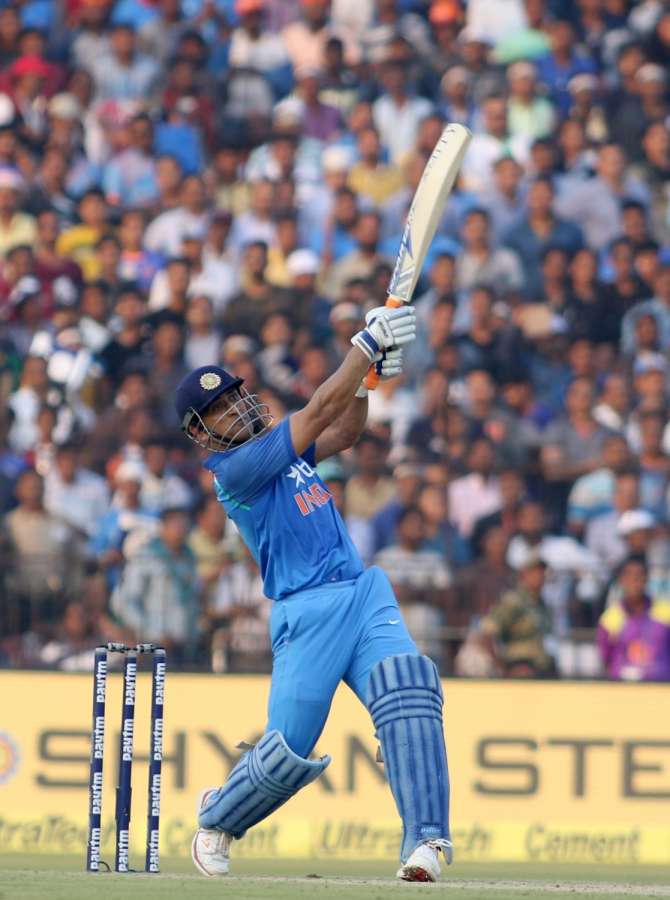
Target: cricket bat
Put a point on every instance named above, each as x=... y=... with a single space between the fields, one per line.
x=425 y=212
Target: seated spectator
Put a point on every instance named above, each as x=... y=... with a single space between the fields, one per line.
x=512 y=494
x=361 y=262
x=237 y=615
x=478 y=493
x=370 y=177
x=561 y=63
x=73 y=644
x=593 y=494
x=505 y=201
x=441 y=535
x=123 y=73
x=16 y=227
x=479 y=585
x=79 y=242
x=514 y=631
x=166 y=233
x=396 y=113
x=658 y=307
x=605 y=533
x=45 y=567
x=573 y=446
x=596 y=203
x=634 y=634
x=529 y=114
x=129 y=178
x=213 y=541
x=369 y=489
x=407 y=478
x=538 y=231
x=320 y=121
x=74 y=494
x=420 y=579
x=489 y=142
x=161 y=487
x=125 y=526
x=480 y=264
x=137 y=264
x=157 y=597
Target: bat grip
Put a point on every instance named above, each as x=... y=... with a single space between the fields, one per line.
x=371 y=379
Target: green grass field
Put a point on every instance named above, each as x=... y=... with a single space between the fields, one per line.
x=29 y=877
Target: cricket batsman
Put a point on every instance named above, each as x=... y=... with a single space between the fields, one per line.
x=331 y=619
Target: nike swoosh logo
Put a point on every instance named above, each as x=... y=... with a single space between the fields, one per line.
x=394 y=621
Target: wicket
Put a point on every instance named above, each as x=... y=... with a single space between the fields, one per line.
x=125 y=765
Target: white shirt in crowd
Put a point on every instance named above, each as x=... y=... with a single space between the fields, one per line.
x=471 y=497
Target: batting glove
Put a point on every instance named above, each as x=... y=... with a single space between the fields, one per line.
x=387 y=366
x=386 y=327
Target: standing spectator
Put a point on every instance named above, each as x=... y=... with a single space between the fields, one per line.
x=634 y=634
x=514 y=631
x=157 y=597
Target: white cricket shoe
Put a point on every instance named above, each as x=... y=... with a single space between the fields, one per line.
x=210 y=848
x=424 y=863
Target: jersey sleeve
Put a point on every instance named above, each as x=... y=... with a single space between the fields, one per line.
x=310 y=454
x=244 y=474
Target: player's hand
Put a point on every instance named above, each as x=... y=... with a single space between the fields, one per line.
x=387 y=328
x=390 y=363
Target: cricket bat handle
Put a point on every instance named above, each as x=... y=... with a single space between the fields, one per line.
x=371 y=379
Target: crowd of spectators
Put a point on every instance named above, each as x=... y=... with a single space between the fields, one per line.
x=185 y=182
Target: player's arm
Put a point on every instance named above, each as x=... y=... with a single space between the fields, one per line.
x=346 y=430
x=390 y=328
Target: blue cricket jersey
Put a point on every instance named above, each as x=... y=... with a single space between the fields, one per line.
x=284 y=513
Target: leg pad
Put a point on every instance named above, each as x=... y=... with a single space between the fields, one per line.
x=262 y=781
x=405 y=702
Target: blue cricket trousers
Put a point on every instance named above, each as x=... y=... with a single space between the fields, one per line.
x=325 y=635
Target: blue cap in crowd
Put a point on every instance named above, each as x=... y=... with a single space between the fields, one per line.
x=200 y=388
